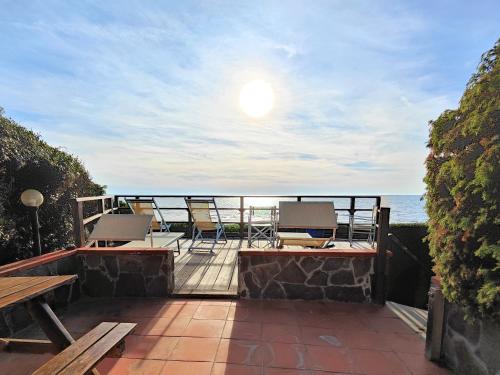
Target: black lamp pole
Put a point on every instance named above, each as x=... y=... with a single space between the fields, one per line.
x=32 y=199
x=35 y=225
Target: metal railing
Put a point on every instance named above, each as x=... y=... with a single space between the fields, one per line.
x=351 y=209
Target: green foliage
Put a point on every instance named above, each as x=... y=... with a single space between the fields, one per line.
x=463 y=183
x=28 y=162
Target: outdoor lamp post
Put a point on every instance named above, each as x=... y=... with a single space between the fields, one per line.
x=33 y=199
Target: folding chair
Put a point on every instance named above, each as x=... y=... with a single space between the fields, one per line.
x=262 y=226
x=363 y=226
x=148 y=206
x=200 y=211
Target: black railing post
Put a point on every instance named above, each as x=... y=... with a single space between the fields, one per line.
x=381 y=257
x=190 y=221
x=242 y=217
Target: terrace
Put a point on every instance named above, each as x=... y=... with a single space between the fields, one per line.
x=197 y=312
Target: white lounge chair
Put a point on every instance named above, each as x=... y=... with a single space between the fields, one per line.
x=134 y=229
x=306 y=215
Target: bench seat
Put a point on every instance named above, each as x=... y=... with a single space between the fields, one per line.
x=80 y=357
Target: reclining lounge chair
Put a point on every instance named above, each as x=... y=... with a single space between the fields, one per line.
x=306 y=215
x=203 y=223
x=134 y=229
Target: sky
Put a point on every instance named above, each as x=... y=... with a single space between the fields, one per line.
x=145 y=93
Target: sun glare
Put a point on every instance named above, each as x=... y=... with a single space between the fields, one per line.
x=256 y=98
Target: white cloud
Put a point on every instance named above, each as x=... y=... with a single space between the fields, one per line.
x=149 y=102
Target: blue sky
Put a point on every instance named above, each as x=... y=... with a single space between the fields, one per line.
x=146 y=93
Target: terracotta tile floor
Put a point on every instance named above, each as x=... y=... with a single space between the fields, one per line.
x=244 y=337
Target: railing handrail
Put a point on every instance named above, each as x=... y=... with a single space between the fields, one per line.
x=245 y=195
x=96 y=198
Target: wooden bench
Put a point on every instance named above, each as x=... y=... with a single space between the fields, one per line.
x=81 y=356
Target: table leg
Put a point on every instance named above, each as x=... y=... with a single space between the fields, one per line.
x=41 y=312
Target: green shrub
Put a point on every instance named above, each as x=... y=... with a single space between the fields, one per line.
x=463 y=178
x=28 y=162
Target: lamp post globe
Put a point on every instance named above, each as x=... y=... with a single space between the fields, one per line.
x=33 y=199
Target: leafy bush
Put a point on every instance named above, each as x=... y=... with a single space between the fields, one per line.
x=28 y=162
x=463 y=183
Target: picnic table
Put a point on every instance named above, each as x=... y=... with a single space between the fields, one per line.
x=30 y=290
x=75 y=357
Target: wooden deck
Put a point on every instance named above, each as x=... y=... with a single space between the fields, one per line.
x=201 y=273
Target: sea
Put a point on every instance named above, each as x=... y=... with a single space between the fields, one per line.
x=404 y=208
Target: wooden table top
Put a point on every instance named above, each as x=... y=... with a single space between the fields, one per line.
x=17 y=289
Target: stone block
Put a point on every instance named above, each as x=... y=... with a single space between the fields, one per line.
x=309 y=264
x=301 y=291
x=362 y=266
x=97 y=284
x=67 y=266
x=318 y=278
x=274 y=290
x=92 y=261
x=130 y=285
x=255 y=260
x=253 y=289
x=152 y=264
x=265 y=272
x=342 y=277
x=489 y=343
x=292 y=273
x=130 y=263
x=335 y=264
x=111 y=265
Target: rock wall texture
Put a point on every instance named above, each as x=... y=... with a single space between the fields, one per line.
x=137 y=275
x=305 y=277
x=470 y=348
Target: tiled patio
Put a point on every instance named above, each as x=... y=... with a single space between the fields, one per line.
x=179 y=336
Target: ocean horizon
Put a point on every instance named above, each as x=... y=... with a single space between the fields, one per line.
x=404 y=208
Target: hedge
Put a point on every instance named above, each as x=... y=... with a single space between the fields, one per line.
x=26 y=161
x=463 y=178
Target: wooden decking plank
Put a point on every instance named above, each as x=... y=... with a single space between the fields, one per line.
x=26 y=283
x=48 y=284
x=94 y=353
x=61 y=361
x=213 y=270
x=197 y=275
x=234 y=279
x=226 y=273
x=182 y=277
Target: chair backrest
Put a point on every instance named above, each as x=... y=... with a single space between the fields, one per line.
x=307 y=215
x=121 y=228
x=148 y=206
x=200 y=213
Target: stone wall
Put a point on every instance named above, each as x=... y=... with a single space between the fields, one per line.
x=127 y=275
x=305 y=277
x=470 y=348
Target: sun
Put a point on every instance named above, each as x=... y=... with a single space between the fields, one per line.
x=256 y=98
